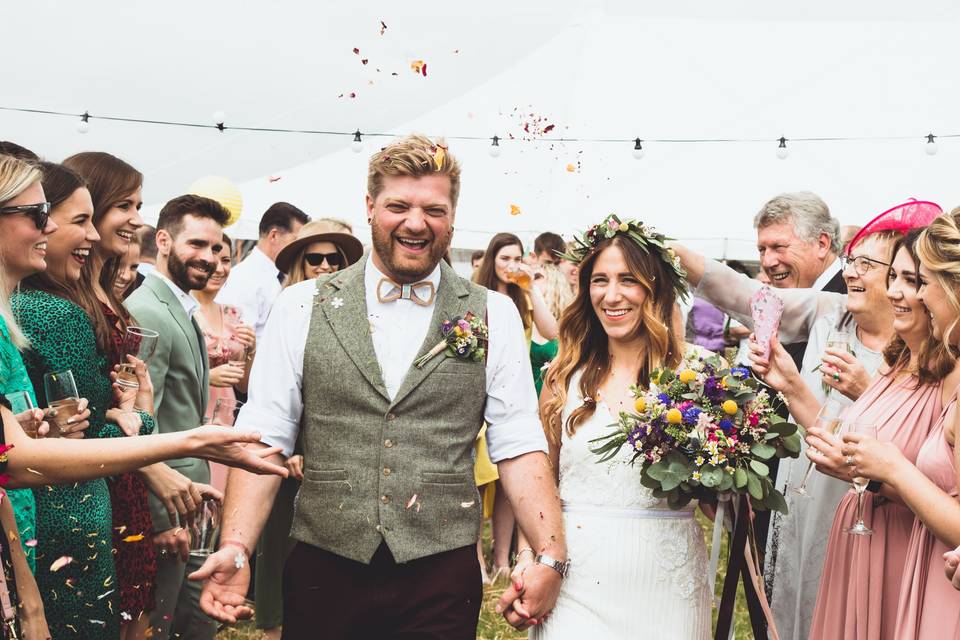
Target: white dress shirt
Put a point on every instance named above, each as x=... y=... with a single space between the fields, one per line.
x=398 y=329
x=835 y=267
x=188 y=302
x=252 y=287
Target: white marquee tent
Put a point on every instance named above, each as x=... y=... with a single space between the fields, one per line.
x=596 y=70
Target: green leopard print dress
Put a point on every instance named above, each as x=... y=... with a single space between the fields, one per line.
x=80 y=598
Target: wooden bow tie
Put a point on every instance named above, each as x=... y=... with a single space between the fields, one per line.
x=420 y=293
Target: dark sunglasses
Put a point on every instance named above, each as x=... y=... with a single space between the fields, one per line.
x=316 y=259
x=39 y=213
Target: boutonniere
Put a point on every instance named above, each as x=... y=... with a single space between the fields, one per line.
x=465 y=338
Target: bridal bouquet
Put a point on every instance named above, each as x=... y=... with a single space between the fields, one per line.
x=702 y=432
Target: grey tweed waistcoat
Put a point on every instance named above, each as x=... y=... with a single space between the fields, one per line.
x=377 y=469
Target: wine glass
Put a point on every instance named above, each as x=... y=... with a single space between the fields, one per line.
x=234 y=318
x=859 y=528
x=20 y=402
x=138 y=342
x=828 y=419
x=62 y=400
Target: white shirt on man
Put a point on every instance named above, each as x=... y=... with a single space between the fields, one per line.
x=252 y=287
x=398 y=329
x=827 y=275
x=187 y=301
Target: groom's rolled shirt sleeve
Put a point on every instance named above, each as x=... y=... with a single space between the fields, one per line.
x=275 y=401
x=511 y=413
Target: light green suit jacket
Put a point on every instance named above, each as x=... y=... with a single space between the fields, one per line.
x=179 y=371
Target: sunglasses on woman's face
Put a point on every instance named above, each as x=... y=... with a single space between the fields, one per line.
x=39 y=213
x=316 y=259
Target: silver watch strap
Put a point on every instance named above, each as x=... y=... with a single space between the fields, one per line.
x=553 y=563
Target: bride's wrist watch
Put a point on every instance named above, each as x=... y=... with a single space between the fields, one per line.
x=560 y=567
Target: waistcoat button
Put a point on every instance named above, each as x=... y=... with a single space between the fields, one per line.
x=386 y=471
x=384 y=499
x=391 y=417
x=388 y=443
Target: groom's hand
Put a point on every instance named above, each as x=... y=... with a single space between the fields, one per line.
x=225 y=582
x=531 y=596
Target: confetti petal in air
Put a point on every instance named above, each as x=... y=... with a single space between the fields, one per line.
x=273 y=179
x=515 y=210
x=356 y=50
x=60 y=563
x=419 y=66
x=412 y=501
x=31 y=543
x=383 y=27
x=438 y=156
x=571 y=168
x=134 y=538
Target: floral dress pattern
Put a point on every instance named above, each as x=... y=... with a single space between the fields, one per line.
x=135 y=557
x=73 y=521
x=13 y=377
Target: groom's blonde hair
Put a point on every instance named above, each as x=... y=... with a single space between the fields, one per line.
x=415 y=156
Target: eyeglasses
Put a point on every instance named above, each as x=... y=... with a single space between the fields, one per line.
x=862 y=264
x=39 y=213
x=316 y=259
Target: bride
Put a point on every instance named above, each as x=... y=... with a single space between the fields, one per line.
x=637 y=567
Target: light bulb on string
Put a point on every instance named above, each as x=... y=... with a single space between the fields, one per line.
x=495 y=149
x=219 y=117
x=637 y=148
x=357 y=144
x=931 y=146
x=84 y=125
x=782 y=151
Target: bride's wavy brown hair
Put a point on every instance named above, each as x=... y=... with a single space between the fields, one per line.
x=583 y=341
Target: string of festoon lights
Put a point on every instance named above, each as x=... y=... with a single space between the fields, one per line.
x=634 y=144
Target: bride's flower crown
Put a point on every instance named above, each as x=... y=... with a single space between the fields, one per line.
x=647 y=238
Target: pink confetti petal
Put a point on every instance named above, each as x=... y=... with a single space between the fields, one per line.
x=60 y=563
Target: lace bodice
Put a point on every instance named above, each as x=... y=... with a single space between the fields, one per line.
x=586 y=482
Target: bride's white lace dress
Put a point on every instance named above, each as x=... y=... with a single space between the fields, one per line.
x=638 y=568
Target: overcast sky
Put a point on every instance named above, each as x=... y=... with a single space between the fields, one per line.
x=597 y=70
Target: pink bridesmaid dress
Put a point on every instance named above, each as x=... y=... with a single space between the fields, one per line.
x=861 y=582
x=221 y=349
x=929 y=605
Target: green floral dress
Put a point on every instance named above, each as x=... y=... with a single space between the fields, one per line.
x=13 y=378
x=73 y=520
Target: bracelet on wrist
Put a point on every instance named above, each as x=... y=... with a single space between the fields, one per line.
x=237 y=544
x=516 y=557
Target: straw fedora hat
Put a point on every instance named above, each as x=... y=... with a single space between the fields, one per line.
x=320 y=231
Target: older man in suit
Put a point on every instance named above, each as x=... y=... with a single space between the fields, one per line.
x=189 y=238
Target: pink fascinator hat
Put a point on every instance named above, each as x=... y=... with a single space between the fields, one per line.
x=912 y=214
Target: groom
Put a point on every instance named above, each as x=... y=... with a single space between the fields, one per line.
x=388 y=516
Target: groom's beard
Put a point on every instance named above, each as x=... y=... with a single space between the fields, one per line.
x=400 y=263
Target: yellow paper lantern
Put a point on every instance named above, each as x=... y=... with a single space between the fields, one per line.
x=223 y=191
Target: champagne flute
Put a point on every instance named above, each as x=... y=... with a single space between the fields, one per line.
x=62 y=398
x=138 y=342
x=234 y=317
x=859 y=528
x=828 y=419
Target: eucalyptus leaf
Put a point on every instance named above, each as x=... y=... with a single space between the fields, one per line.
x=754 y=486
x=726 y=484
x=759 y=468
x=775 y=502
x=740 y=478
x=792 y=443
x=763 y=450
x=671 y=470
x=711 y=476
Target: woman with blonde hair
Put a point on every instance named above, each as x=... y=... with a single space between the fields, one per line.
x=557 y=293
x=928 y=607
x=617 y=330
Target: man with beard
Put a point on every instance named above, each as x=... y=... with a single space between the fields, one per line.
x=189 y=240
x=388 y=516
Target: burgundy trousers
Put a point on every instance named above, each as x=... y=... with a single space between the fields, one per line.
x=329 y=596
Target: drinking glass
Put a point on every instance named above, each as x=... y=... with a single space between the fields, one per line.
x=62 y=398
x=204 y=529
x=225 y=411
x=828 y=419
x=860 y=483
x=138 y=342
x=20 y=402
x=234 y=318
x=518 y=276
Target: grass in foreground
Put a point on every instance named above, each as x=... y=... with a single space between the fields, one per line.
x=493 y=627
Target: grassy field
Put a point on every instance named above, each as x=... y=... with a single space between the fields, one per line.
x=492 y=626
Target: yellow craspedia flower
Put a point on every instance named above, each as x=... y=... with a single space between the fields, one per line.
x=624 y=227
x=674 y=416
x=687 y=376
x=730 y=407
x=640 y=405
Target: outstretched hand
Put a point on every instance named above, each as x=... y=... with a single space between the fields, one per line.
x=778 y=369
x=228 y=446
x=952 y=562
x=226 y=578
